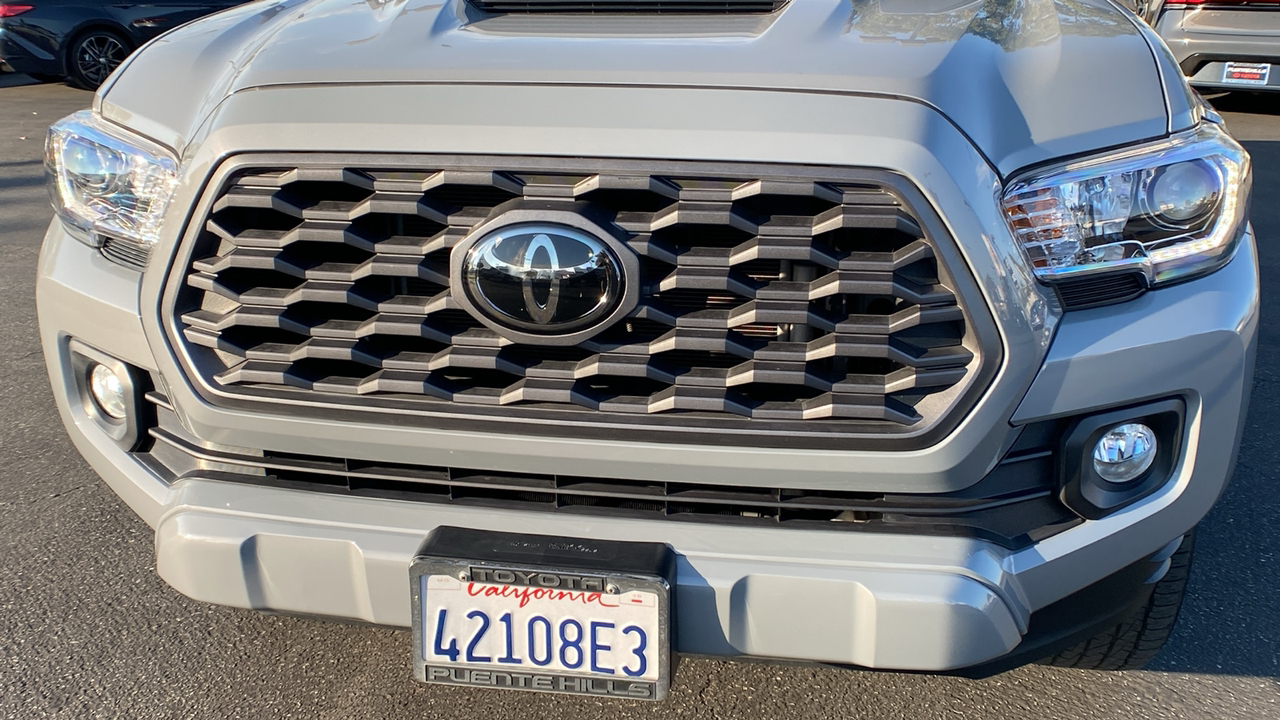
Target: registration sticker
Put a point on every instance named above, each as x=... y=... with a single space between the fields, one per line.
x=1238 y=73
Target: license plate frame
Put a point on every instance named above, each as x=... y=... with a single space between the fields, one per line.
x=517 y=561
x=1248 y=74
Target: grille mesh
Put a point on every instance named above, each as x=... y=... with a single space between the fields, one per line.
x=810 y=303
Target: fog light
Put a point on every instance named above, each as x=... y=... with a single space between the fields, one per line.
x=1125 y=452
x=108 y=392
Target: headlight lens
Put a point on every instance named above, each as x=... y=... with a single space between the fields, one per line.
x=104 y=181
x=1169 y=210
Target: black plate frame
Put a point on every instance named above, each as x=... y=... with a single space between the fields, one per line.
x=619 y=566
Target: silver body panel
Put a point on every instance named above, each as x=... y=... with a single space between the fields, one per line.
x=1019 y=78
x=953 y=98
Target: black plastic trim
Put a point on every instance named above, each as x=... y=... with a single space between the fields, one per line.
x=1090 y=496
x=526 y=550
x=1015 y=505
x=130 y=432
x=1100 y=290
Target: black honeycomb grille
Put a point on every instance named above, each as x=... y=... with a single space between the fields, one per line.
x=768 y=304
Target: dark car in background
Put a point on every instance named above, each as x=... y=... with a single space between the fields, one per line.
x=85 y=40
x=1221 y=44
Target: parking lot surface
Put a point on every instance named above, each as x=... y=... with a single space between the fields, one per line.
x=88 y=630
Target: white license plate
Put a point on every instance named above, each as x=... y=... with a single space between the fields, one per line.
x=530 y=629
x=1238 y=73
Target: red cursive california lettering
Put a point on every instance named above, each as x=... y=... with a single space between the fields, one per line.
x=527 y=594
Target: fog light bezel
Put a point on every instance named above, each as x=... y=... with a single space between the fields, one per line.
x=126 y=431
x=1091 y=496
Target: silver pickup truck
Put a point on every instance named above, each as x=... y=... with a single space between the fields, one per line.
x=579 y=336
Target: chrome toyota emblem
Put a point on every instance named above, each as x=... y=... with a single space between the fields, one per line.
x=541 y=281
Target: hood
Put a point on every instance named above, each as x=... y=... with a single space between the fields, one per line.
x=1026 y=80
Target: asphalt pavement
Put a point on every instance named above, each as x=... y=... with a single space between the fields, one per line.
x=88 y=630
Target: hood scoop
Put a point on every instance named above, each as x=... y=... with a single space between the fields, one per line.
x=628 y=7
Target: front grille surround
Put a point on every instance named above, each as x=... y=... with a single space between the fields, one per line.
x=689 y=313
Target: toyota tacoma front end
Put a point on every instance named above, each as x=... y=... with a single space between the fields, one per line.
x=866 y=333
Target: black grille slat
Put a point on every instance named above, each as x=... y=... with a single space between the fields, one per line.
x=749 y=270
x=1096 y=291
x=1011 y=506
x=687 y=494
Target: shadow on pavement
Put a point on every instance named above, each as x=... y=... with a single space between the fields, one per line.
x=16 y=80
x=1230 y=623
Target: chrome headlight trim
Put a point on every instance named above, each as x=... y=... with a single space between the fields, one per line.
x=1104 y=213
x=106 y=183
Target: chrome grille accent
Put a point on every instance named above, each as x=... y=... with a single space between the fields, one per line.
x=802 y=304
x=126 y=252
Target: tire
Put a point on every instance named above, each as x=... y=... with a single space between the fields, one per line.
x=1136 y=641
x=94 y=55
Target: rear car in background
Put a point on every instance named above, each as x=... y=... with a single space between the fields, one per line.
x=85 y=40
x=1222 y=44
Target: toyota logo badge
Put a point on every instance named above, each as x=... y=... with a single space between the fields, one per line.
x=541 y=281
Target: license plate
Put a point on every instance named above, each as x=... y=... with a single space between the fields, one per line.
x=495 y=621
x=1246 y=73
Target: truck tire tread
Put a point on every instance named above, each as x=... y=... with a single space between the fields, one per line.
x=1135 y=642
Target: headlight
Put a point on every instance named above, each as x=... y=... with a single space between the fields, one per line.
x=1169 y=210
x=106 y=182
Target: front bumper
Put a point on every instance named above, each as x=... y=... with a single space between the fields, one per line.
x=879 y=601
x=1203 y=40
